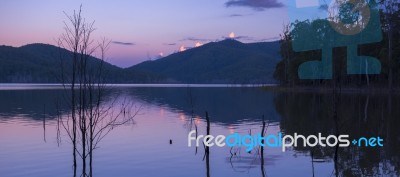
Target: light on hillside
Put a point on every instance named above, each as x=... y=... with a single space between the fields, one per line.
x=182 y=48
x=198 y=44
x=232 y=35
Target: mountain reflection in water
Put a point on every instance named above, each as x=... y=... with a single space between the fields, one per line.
x=169 y=113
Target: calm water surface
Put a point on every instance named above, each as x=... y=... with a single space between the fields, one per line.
x=28 y=145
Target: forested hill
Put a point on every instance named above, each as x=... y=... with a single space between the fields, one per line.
x=227 y=61
x=43 y=63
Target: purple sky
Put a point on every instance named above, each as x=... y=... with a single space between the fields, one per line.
x=142 y=29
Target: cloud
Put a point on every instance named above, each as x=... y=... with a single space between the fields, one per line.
x=236 y=15
x=233 y=36
x=252 y=39
x=258 y=5
x=247 y=38
x=195 y=39
x=171 y=44
x=239 y=15
x=123 y=43
x=269 y=39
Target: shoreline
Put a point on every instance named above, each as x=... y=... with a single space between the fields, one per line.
x=267 y=87
x=22 y=86
x=325 y=89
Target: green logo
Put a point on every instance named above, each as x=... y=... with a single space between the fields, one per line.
x=323 y=25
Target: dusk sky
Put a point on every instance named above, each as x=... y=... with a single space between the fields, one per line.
x=142 y=29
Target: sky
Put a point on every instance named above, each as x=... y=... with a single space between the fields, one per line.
x=144 y=29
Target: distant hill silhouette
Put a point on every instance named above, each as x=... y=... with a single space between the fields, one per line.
x=41 y=63
x=227 y=61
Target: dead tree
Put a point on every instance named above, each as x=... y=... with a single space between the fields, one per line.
x=91 y=118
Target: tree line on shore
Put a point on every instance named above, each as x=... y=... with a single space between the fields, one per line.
x=387 y=51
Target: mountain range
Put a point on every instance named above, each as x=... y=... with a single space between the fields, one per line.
x=226 y=62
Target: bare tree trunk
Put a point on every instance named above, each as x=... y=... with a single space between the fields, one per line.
x=389 y=7
x=262 y=149
x=207 y=149
x=336 y=120
x=89 y=121
x=312 y=162
x=73 y=106
x=285 y=52
x=91 y=135
x=390 y=56
x=44 y=122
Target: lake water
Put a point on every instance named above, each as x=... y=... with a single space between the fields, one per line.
x=28 y=143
